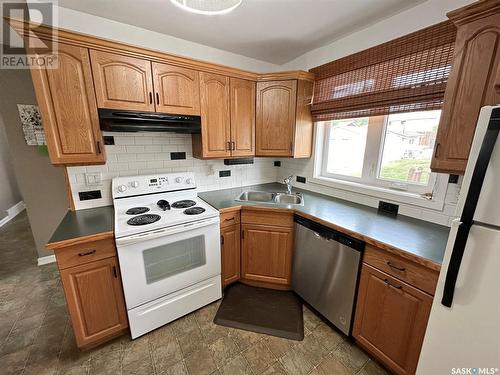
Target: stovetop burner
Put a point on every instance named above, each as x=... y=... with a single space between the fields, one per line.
x=137 y=210
x=143 y=219
x=183 y=204
x=194 y=211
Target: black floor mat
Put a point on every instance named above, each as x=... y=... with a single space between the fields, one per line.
x=272 y=312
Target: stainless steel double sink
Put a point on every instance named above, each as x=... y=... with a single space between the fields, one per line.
x=271 y=197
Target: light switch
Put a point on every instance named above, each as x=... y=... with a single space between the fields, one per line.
x=93 y=179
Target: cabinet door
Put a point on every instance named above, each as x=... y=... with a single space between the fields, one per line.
x=471 y=85
x=242 y=117
x=390 y=319
x=267 y=253
x=95 y=301
x=215 y=118
x=68 y=107
x=122 y=82
x=275 y=120
x=177 y=90
x=230 y=249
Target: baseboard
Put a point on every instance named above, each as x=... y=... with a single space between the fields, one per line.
x=46 y=260
x=13 y=212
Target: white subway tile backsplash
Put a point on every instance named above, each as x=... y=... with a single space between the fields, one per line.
x=149 y=153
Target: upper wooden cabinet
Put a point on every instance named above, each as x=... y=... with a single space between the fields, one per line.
x=391 y=318
x=242 y=93
x=122 y=82
x=471 y=84
x=177 y=90
x=283 y=121
x=215 y=137
x=68 y=107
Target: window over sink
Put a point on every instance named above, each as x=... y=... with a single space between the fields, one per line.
x=391 y=152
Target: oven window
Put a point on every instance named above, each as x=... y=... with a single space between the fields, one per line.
x=174 y=258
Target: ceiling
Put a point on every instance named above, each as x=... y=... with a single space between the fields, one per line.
x=276 y=31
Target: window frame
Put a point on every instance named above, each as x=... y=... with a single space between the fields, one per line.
x=369 y=183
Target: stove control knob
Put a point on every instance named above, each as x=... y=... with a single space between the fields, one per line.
x=189 y=181
x=122 y=188
x=178 y=180
x=134 y=184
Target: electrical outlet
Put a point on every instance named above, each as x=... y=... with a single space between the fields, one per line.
x=301 y=179
x=277 y=163
x=88 y=195
x=93 y=179
x=177 y=155
x=224 y=173
x=389 y=208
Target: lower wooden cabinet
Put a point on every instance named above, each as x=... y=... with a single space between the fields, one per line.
x=390 y=320
x=230 y=253
x=93 y=291
x=267 y=254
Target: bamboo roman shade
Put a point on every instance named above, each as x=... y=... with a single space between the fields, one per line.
x=405 y=74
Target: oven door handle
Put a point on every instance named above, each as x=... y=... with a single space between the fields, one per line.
x=166 y=231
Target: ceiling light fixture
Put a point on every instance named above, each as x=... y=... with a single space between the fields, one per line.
x=207 y=7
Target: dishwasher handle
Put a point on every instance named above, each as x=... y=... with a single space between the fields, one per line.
x=328 y=234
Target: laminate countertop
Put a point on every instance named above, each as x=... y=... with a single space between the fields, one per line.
x=416 y=239
x=82 y=225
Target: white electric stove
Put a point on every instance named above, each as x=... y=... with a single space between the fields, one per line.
x=168 y=246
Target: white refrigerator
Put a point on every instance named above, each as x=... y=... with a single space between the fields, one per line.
x=463 y=333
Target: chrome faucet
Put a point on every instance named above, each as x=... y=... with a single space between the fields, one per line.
x=288 y=182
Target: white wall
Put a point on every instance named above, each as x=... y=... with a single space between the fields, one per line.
x=9 y=192
x=104 y=28
x=408 y=21
x=149 y=153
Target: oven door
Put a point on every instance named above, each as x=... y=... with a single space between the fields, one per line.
x=157 y=263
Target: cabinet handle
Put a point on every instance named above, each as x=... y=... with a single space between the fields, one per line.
x=229 y=219
x=115 y=274
x=99 y=147
x=150 y=98
x=228 y=146
x=394 y=286
x=396 y=267
x=438 y=145
x=233 y=145
x=157 y=99
x=242 y=234
x=291 y=146
x=87 y=253
x=221 y=239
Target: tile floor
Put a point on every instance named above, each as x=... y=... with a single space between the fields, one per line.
x=36 y=336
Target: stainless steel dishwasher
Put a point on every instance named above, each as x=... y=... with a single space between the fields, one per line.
x=326 y=265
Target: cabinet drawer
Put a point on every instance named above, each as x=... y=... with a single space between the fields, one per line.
x=403 y=269
x=263 y=216
x=229 y=218
x=84 y=253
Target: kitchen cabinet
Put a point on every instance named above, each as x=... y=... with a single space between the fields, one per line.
x=227 y=118
x=242 y=96
x=230 y=253
x=67 y=104
x=471 y=84
x=267 y=247
x=91 y=281
x=391 y=315
x=215 y=137
x=122 y=82
x=284 y=124
x=177 y=89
